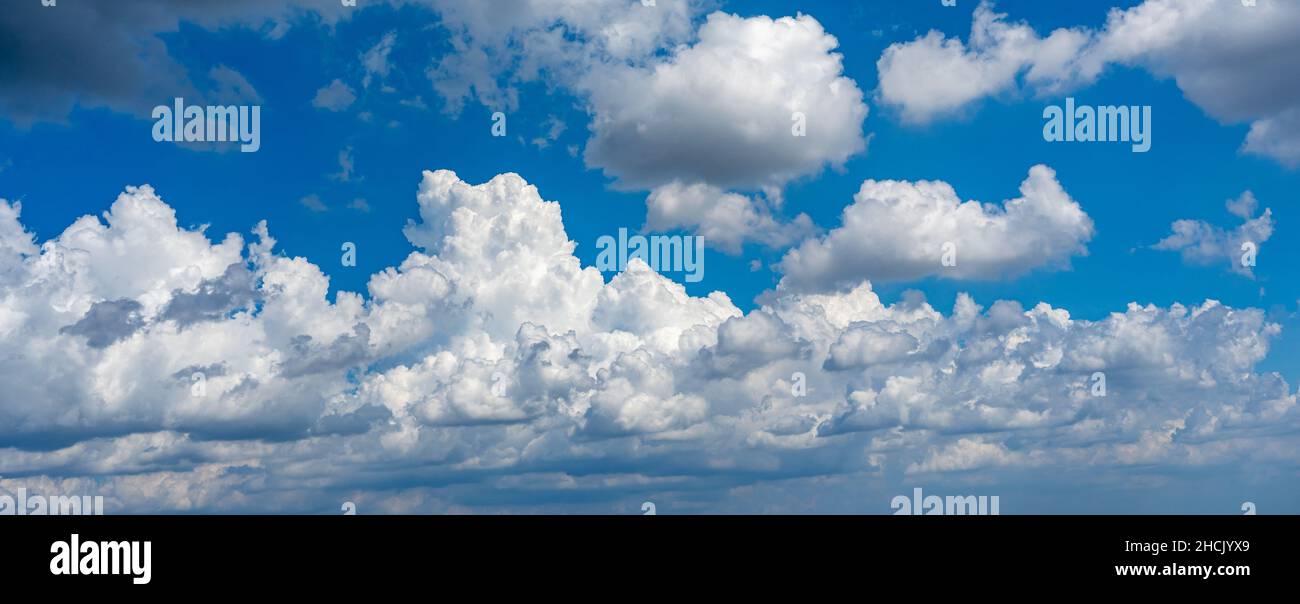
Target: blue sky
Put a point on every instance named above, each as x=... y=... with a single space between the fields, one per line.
x=61 y=165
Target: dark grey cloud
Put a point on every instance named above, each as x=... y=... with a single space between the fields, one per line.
x=235 y=289
x=344 y=352
x=752 y=341
x=97 y=53
x=356 y=422
x=107 y=322
x=208 y=371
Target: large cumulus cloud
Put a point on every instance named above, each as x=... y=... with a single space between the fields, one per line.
x=491 y=369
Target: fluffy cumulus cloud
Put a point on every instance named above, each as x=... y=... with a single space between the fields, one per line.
x=897 y=230
x=935 y=76
x=723 y=110
x=1199 y=242
x=752 y=104
x=171 y=371
x=1229 y=59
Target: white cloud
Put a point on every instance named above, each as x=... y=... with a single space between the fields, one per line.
x=1231 y=60
x=1277 y=137
x=336 y=96
x=935 y=76
x=347 y=166
x=897 y=230
x=1202 y=243
x=721 y=111
x=139 y=379
x=491 y=361
x=967 y=454
x=15 y=243
x=375 y=61
x=554 y=128
x=313 y=202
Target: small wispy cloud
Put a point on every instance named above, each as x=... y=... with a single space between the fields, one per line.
x=1204 y=244
x=312 y=202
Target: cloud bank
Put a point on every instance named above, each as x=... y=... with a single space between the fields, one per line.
x=170 y=372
